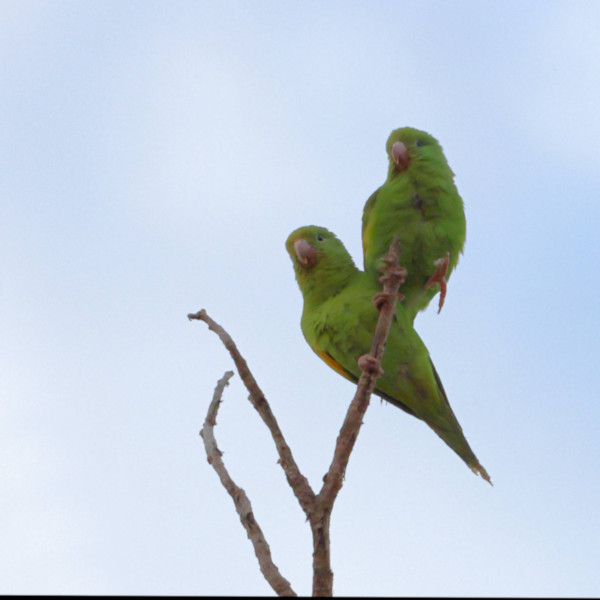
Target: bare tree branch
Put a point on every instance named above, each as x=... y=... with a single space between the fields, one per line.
x=297 y=481
x=242 y=504
x=370 y=365
x=316 y=507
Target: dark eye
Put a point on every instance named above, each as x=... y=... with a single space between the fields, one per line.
x=320 y=237
x=419 y=143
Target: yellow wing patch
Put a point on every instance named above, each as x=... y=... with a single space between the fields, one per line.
x=365 y=236
x=344 y=373
x=336 y=366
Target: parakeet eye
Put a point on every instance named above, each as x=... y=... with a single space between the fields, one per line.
x=320 y=237
x=419 y=143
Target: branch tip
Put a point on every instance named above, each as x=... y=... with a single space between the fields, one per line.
x=199 y=316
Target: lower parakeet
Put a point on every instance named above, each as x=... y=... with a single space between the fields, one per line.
x=339 y=320
x=420 y=204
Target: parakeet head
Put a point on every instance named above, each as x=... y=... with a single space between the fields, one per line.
x=407 y=146
x=321 y=262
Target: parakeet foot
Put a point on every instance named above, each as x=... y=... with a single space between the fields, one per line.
x=394 y=275
x=381 y=298
x=370 y=365
x=441 y=268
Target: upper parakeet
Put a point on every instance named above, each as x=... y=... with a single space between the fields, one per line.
x=339 y=320
x=421 y=205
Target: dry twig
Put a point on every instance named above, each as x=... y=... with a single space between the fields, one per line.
x=242 y=504
x=316 y=507
x=297 y=481
x=370 y=365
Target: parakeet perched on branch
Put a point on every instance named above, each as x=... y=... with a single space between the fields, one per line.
x=421 y=205
x=339 y=320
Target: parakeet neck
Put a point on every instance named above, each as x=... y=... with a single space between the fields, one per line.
x=330 y=279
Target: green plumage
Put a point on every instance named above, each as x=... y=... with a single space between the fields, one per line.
x=339 y=320
x=421 y=205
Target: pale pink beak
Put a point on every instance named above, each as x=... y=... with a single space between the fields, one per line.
x=306 y=254
x=400 y=155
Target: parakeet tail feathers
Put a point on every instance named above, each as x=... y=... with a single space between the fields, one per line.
x=479 y=470
x=462 y=448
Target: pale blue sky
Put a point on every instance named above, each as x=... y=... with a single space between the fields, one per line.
x=154 y=156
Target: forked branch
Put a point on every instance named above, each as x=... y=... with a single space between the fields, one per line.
x=317 y=507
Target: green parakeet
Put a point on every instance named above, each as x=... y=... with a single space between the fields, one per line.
x=339 y=320
x=420 y=204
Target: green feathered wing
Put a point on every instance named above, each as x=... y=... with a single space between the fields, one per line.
x=420 y=204
x=339 y=320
